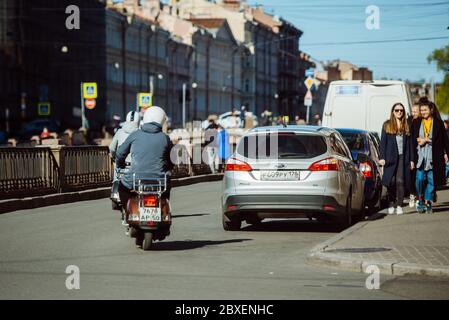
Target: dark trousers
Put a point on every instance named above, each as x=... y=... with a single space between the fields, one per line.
x=396 y=189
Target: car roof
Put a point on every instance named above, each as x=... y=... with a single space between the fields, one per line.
x=295 y=128
x=366 y=82
x=349 y=130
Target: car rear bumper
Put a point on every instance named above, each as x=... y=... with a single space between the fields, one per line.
x=282 y=206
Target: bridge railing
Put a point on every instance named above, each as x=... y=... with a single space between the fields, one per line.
x=85 y=167
x=27 y=172
x=38 y=171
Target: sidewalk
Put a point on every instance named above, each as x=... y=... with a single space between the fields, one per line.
x=407 y=244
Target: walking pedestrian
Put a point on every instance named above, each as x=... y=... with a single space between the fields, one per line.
x=224 y=147
x=395 y=157
x=430 y=147
x=411 y=120
x=210 y=141
x=242 y=117
x=446 y=126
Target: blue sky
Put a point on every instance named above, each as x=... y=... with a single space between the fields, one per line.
x=336 y=21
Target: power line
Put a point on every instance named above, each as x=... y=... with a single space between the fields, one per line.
x=374 y=41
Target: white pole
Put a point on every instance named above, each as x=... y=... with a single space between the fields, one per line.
x=184 y=88
x=308 y=114
x=82 y=108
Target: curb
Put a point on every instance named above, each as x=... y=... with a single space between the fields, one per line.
x=319 y=257
x=11 y=205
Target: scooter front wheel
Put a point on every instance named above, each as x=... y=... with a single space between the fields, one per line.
x=147 y=241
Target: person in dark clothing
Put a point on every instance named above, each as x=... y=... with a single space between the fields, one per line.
x=411 y=119
x=242 y=117
x=150 y=152
x=395 y=156
x=430 y=147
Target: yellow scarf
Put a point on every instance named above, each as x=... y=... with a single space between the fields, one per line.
x=427 y=124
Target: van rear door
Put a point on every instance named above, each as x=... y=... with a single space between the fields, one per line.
x=380 y=100
x=347 y=107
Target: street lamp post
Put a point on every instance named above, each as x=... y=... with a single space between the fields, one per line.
x=184 y=89
x=184 y=94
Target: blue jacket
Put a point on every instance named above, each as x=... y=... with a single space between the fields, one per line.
x=224 y=147
x=389 y=152
x=150 y=152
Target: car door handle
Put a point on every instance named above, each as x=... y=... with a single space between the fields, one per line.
x=328 y=114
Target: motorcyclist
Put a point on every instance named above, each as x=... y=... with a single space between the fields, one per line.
x=150 y=150
x=131 y=125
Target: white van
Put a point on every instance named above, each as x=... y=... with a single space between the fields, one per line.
x=363 y=105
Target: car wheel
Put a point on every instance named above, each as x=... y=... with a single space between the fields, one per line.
x=233 y=224
x=254 y=220
x=345 y=221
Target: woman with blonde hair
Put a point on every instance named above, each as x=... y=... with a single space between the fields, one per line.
x=395 y=157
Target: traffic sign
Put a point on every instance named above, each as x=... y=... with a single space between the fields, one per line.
x=308 y=99
x=309 y=83
x=90 y=103
x=144 y=99
x=43 y=108
x=310 y=72
x=90 y=90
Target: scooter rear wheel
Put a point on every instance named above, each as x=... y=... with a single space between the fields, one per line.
x=147 y=241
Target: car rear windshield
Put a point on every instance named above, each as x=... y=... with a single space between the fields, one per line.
x=355 y=141
x=282 y=146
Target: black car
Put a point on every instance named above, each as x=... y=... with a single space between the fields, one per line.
x=365 y=149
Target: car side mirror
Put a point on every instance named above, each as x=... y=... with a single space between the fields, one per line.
x=362 y=157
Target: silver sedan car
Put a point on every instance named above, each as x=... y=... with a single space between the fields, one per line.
x=291 y=172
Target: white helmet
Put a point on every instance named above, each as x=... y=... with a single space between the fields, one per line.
x=134 y=117
x=155 y=114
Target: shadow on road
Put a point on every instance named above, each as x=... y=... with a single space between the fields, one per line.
x=189 y=215
x=292 y=226
x=376 y=216
x=189 y=245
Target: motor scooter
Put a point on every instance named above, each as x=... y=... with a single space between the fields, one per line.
x=148 y=213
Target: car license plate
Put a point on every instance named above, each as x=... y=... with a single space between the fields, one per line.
x=280 y=176
x=150 y=214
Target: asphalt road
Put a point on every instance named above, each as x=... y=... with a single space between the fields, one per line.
x=198 y=261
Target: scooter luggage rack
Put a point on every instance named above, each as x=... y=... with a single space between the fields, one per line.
x=150 y=185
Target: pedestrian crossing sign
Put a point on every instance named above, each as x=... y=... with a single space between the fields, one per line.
x=90 y=90
x=145 y=99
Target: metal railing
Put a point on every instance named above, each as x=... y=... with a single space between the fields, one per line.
x=85 y=167
x=35 y=171
x=27 y=172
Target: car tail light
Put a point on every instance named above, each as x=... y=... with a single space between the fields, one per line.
x=366 y=169
x=237 y=165
x=329 y=164
x=150 y=201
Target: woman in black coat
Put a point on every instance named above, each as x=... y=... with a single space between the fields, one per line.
x=395 y=157
x=430 y=176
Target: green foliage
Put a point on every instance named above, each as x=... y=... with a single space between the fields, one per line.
x=442 y=98
x=441 y=57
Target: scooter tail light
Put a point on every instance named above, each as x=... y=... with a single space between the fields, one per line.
x=366 y=169
x=238 y=165
x=150 y=201
x=328 y=164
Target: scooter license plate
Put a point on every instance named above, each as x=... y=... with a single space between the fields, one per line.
x=150 y=214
